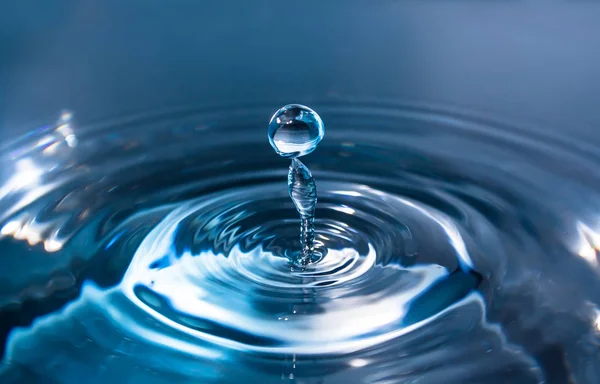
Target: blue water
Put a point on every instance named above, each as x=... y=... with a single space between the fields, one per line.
x=457 y=248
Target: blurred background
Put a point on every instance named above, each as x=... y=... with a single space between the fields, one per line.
x=536 y=61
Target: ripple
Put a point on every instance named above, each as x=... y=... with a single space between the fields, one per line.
x=456 y=247
x=213 y=265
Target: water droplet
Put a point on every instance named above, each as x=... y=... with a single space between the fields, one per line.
x=295 y=130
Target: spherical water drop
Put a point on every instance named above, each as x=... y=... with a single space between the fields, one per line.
x=295 y=130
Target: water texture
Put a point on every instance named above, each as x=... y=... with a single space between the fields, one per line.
x=153 y=249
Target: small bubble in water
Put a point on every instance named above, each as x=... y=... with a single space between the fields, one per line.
x=295 y=130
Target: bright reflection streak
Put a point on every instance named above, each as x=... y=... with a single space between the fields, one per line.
x=589 y=244
x=31 y=233
x=71 y=140
x=52 y=245
x=10 y=228
x=26 y=175
x=65 y=128
x=597 y=320
x=345 y=209
x=67 y=132
x=348 y=193
x=46 y=140
x=62 y=134
x=26 y=183
x=51 y=149
x=357 y=363
x=66 y=115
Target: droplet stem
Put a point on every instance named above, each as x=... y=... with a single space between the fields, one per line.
x=307 y=239
x=303 y=191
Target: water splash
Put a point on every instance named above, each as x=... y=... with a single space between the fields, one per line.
x=296 y=130
x=303 y=191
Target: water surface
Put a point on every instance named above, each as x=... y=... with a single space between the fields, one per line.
x=459 y=248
